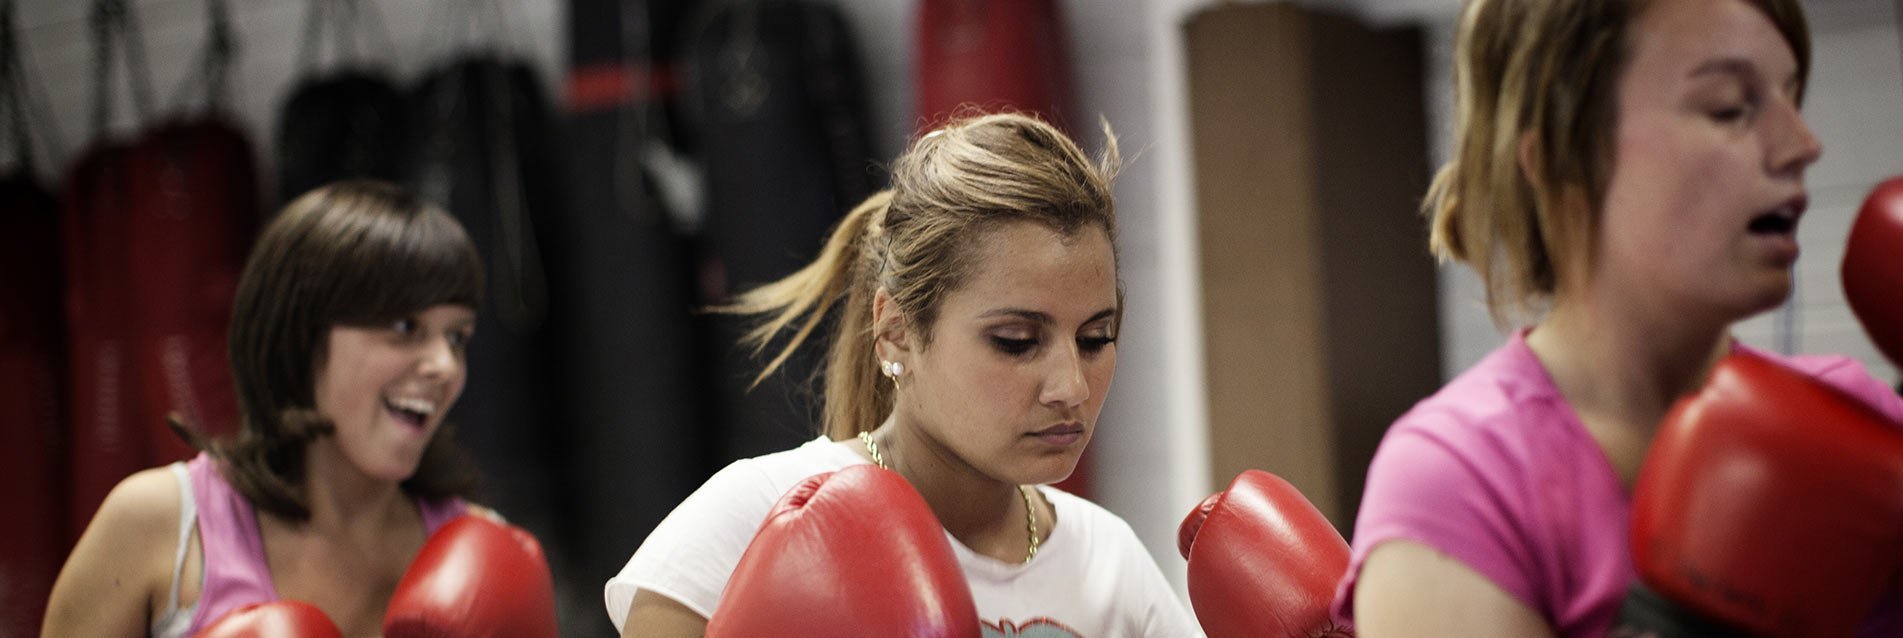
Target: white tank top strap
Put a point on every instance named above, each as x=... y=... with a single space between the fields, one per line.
x=176 y=621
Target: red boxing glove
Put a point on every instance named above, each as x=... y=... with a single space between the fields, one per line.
x=278 y=619
x=475 y=577
x=1263 y=562
x=1873 y=268
x=1769 y=504
x=855 y=552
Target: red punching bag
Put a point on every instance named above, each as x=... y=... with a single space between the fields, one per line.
x=105 y=442
x=95 y=230
x=193 y=220
x=994 y=55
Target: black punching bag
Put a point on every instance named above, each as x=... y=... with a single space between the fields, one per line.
x=344 y=121
x=622 y=300
x=778 y=111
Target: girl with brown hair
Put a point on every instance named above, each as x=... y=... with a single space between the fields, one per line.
x=347 y=349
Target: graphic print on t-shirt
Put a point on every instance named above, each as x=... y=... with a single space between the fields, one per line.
x=1034 y=628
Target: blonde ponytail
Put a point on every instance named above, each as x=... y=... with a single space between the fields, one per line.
x=845 y=268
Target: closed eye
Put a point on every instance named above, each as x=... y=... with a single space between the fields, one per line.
x=1013 y=346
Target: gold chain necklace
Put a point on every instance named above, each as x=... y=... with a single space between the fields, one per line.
x=1030 y=512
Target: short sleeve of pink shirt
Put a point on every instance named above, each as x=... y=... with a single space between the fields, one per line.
x=1497 y=472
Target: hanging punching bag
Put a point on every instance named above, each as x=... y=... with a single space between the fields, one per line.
x=97 y=197
x=779 y=116
x=192 y=224
x=621 y=298
x=349 y=121
x=995 y=55
x=485 y=152
x=32 y=361
x=193 y=218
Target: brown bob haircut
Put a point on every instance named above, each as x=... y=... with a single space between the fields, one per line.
x=353 y=253
x=1548 y=69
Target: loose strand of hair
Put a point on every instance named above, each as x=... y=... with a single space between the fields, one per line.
x=811 y=291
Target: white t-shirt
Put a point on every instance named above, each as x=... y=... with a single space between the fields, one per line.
x=1091 y=579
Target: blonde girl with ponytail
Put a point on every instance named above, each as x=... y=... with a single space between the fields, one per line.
x=975 y=310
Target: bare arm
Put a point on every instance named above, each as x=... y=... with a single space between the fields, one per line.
x=121 y=564
x=656 y=616
x=1409 y=589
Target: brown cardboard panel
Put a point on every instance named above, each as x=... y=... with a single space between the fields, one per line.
x=1308 y=137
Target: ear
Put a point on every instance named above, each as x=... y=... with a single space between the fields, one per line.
x=891 y=339
x=1531 y=167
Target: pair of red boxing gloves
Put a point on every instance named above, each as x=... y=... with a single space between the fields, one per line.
x=474 y=577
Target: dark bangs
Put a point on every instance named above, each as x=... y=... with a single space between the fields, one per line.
x=392 y=266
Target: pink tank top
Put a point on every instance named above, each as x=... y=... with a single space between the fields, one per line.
x=235 y=570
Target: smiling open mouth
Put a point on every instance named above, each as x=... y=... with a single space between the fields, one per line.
x=412 y=412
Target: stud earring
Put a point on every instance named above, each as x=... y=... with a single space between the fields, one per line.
x=892 y=370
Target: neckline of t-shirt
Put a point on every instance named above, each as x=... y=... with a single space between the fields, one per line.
x=970 y=558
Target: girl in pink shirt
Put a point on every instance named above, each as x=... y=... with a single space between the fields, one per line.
x=1627 y=179
x=347 y=349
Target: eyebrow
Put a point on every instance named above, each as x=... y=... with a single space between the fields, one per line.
x=1741 y=68
x=1041 y=317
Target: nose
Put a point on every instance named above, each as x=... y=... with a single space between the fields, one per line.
x=1065 y=384
x=1793 y=146
x=439 y=358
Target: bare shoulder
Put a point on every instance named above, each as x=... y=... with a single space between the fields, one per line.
x=121 y=562
x=1409 y=589
x=146 y=502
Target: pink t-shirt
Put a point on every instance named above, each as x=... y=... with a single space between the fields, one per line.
x=236 y=573
x=1496 y=471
